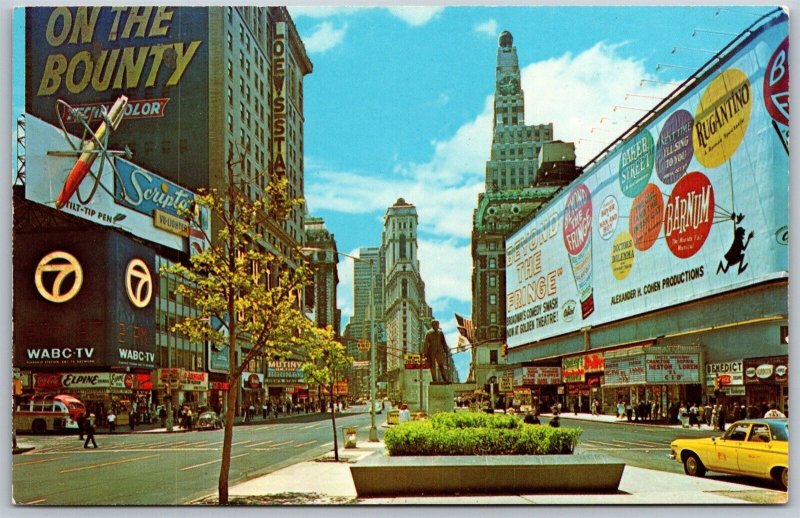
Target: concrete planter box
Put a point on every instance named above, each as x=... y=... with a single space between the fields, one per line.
x=381 y=475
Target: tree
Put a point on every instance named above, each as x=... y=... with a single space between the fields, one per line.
x=231 y=283
x=325 y=362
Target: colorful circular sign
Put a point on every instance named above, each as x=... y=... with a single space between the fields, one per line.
x=776 y=84
x=674 y=148
x=66 y=281
x=622 y=255
x=577 y=219
x=646 y=217
x=722 y=117
x=689 y=214
x=636 y=164
x=609 y=217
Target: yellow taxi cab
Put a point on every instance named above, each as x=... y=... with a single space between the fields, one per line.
x=752 y=447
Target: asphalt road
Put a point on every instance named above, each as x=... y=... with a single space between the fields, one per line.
x=170 y=469
x=645 y=446
x=166 y=469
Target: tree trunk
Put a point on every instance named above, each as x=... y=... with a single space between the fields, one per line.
x=333 y=420
x=227 y=442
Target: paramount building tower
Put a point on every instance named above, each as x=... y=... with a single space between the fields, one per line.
x=525 y=169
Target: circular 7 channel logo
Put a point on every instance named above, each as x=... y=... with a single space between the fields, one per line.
x=65 y=266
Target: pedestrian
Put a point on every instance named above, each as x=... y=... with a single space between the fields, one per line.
x=707 y=413
x=656 y=410
x=111 y=418
x=530 y=418
x=648 y=409
x=88 y=429
x=555 y=421
x=714 y=418
x=742 y=411
x=595 y=405
x=162 y=415
x=620 y=409
x=722 y=416
x=81 y=422
x=132 y=421
x=629 y=411
x=773 y=412
x=683 y=414
x=694 y=416
x=251 y=412
x=576 y=406
x=264 y=410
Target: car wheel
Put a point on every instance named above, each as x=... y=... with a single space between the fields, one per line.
x=693 y=467
x=39 y=427
x=784 y=478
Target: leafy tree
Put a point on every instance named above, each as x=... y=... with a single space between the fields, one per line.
x=232 y=276
x=326 y=361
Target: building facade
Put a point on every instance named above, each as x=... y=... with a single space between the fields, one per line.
x=660 y=276
x=406 y=313
x=525 y=169
x=224 y=88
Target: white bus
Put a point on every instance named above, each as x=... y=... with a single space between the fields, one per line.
x=48 y=412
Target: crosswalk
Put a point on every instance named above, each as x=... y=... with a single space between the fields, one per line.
x=613 y=444
x=67 y=445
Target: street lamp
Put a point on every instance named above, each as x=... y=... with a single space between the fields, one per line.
x=373 y=432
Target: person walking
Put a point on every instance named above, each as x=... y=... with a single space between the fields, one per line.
x=264 y=410
x=773 y=412
x=722 y=416
x=111 y=418
x=575 y=406
x=629 y=411
x=88 y=429
x=683 y=414
x=595 y=404
x=714 y=417
x=162 y=415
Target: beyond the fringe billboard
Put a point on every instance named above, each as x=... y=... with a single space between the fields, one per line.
x=693 y=204
x=156 y=56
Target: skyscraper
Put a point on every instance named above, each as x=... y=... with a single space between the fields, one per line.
x=525 y=169
x=406 y=314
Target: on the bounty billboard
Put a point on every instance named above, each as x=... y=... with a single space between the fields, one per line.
x=156 y=56
x=693 y=204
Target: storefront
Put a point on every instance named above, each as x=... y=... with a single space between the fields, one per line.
x=543 y=382
x=284 y=380
x=184 y=386
x=660 y=375
x=582 y=376
x=252 y=390
x=218 y=392
x=99 y=391
x=766 y=380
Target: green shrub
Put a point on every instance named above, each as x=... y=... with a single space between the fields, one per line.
x=478 y=434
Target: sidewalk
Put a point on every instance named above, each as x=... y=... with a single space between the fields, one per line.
x=604 y=418
x=322 y=482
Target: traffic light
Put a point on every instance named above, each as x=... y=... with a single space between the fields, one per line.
x=504 y=350
x=166 y=388
x=716 y=384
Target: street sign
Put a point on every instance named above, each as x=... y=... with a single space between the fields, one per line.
x=363 y=345
x=361 y=364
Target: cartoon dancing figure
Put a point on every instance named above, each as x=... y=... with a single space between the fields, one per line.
x=735 y=254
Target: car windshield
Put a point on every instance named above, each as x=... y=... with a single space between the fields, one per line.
x=780 y=432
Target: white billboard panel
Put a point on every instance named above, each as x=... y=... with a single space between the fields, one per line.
x=694 y=204
x=129 y=202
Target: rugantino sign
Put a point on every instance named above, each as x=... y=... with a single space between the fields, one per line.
x=770 y=369
x=538 y=375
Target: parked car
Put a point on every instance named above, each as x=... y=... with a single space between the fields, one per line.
x=208 y=421
x=752 y=447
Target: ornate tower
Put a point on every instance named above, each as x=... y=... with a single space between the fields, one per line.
x=520 y=177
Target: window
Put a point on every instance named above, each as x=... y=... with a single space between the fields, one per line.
x=492 y=318
x=492 y=262
x=230 y=41
x=492 y=299
x=492 y=281
x=493 y=357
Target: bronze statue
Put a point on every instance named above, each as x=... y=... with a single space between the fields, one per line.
x=437 y=353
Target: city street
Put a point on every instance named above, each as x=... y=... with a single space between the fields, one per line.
x=163 y=468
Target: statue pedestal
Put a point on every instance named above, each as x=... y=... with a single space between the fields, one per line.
x=440 y=398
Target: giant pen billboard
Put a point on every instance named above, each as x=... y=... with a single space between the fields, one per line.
x=694 y=203
x=156 y=56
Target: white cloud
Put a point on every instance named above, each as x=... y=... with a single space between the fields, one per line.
x=442 y=267
x=414 y=16
x=488 y=28
x=325 y=37
x=565 y=90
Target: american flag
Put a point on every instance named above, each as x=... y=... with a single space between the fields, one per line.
x=465 y=330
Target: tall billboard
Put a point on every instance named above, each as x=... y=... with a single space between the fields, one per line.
x=694 y=203
x=83 y=299
x=157 y=56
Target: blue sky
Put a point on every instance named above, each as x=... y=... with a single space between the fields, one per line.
x=400 y=104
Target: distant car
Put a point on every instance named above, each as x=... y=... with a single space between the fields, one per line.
x=208 y=421
x=752 y=447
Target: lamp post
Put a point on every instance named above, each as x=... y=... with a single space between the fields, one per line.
x=373 y=431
